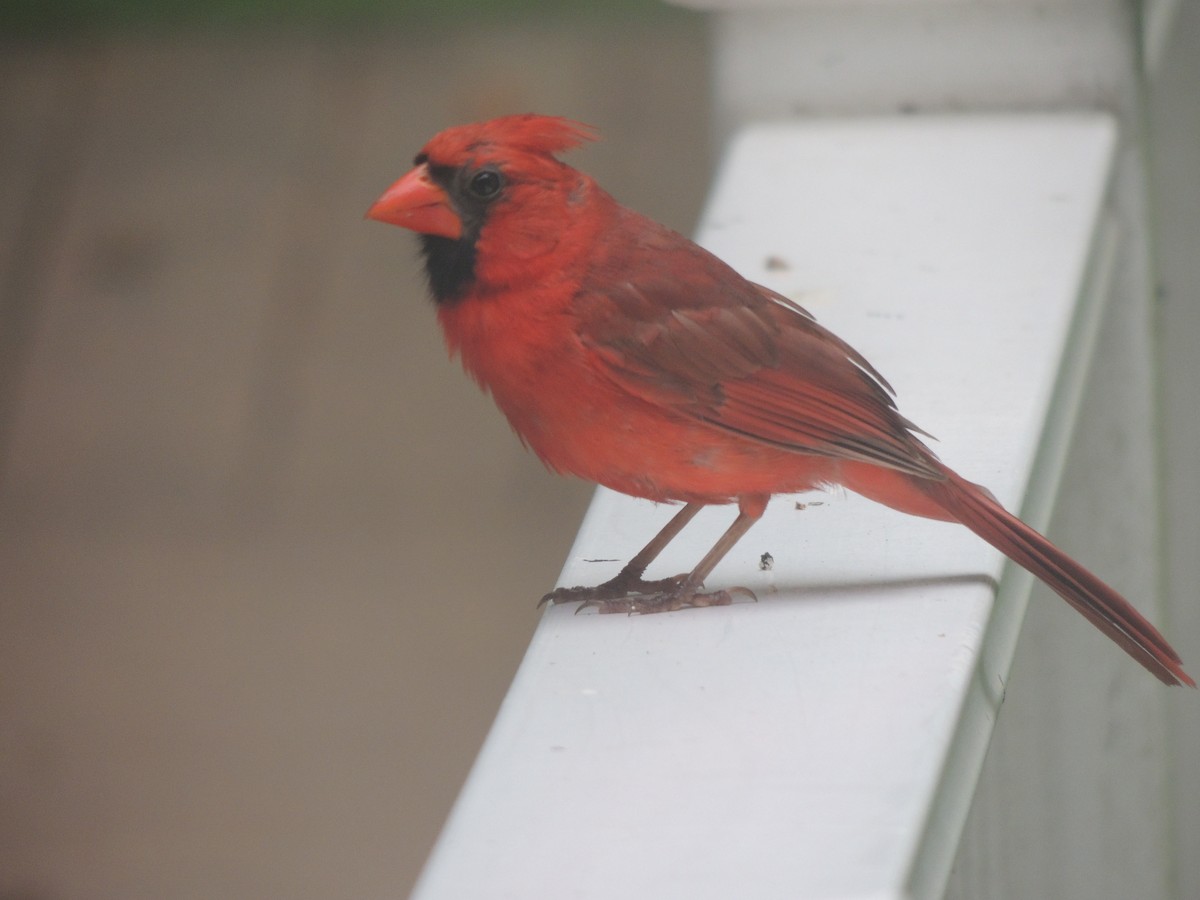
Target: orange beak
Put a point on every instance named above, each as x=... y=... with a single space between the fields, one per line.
x=416 y=202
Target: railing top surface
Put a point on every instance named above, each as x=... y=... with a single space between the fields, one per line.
x=801 y=746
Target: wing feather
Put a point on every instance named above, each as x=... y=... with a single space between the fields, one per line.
x=750 y=362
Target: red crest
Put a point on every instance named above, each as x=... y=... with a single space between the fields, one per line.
x=527 y=132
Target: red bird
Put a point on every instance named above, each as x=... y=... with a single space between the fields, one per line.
x=625 y=354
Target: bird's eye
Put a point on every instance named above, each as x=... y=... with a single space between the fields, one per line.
x=485 y=184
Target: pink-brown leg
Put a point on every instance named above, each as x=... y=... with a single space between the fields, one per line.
x=629 y=593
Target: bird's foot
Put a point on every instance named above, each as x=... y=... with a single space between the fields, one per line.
x=628 y=595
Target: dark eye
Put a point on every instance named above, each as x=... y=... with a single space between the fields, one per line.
x=485 y=184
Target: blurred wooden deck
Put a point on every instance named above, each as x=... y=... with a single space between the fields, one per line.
x=267 y=557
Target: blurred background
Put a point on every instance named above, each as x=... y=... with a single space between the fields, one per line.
x=268 y=558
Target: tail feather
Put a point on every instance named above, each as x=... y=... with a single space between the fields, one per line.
x=1100 y=604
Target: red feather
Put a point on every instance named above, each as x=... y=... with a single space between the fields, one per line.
x=528 y=133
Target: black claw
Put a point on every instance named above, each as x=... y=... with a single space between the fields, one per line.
x=633 y=596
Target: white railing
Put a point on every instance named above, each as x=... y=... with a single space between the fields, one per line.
x=827 y=741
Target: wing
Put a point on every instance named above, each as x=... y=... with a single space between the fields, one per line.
x=711 y=346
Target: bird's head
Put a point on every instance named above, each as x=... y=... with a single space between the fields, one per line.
x=486 y=186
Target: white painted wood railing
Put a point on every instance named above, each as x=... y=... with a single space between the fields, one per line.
x=826 y=741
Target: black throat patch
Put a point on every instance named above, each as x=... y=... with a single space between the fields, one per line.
x=449 y=265
x=450 y=262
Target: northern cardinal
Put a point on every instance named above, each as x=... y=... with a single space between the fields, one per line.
x=623 y=353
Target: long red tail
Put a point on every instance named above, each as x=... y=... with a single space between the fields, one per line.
x=1100 y=604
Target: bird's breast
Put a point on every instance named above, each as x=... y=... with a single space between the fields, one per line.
x=557 y=398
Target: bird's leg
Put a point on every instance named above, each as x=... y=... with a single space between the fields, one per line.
x=628 y=593
x=629 y=579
